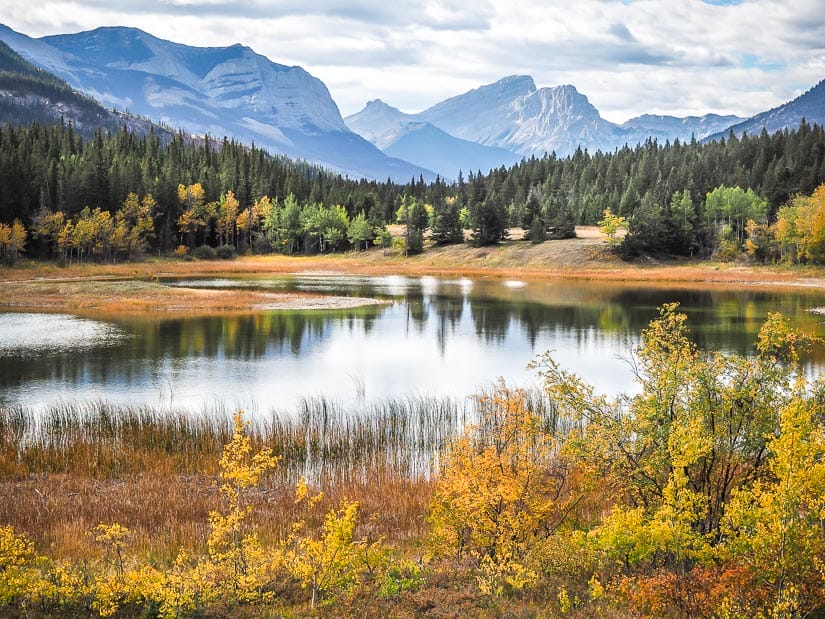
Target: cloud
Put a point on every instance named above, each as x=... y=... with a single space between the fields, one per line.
x=439 y=15
x=680 y=57
x=621 y=32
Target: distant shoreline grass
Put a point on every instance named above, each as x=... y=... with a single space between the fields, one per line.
x=133 y=287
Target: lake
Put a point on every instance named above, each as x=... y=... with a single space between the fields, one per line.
x=445 y=337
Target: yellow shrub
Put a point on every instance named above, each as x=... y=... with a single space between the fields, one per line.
x=20 y=578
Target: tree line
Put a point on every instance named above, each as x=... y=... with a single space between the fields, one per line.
x=661 y=189
x=680 y=199
x=52 y=168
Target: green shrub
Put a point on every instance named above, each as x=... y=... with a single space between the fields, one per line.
x=204 y=252
x=226 y=252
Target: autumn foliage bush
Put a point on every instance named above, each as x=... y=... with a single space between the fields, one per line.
x=701 y=495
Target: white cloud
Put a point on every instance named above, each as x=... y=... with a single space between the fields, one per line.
x=679 y=57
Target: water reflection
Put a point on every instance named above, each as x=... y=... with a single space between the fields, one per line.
x=27 y=333
x=445 y=337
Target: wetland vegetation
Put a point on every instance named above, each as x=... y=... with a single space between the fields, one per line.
x=545 y=498
x=156 y=286
x=703 y=491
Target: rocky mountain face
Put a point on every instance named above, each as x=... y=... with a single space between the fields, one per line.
x=557 y=119
x=810 y=106
x=516 y=117
x=230 y=91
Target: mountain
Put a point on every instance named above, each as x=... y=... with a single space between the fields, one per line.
x=230 y=91
x=425 y=144
x=810 y=106
x=400 y=135
x=481 y=114
x=378 y=122
x=663 y=128
x=28 y=93
x=513 y=114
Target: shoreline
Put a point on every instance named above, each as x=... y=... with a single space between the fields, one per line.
x=134 y=287
x=129 y=296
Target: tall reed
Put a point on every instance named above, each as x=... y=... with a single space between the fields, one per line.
x=324 y=441
x=65 y=469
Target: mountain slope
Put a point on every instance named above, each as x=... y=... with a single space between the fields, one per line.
x=481 y=114
x=513 y=114
x=429 y=146
x=379 y=123
x=400 y=135
x=28 y=93
x=220 y=90
x=810 y=106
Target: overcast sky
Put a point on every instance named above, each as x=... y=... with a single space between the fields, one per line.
x=629 y=57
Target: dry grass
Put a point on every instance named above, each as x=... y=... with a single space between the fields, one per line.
x=169 y=512
x=67 y=469
x=133 y=287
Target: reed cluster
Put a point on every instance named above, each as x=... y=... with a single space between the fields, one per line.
x=69 y=467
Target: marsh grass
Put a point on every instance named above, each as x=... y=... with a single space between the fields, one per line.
x=66 y=469
x=101 y=440
x=324 y=441
x=401 y=437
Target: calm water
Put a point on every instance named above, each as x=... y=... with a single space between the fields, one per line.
x=433 y=337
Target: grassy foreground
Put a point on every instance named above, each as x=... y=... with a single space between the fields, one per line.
x=73 y=475
x=701 y=496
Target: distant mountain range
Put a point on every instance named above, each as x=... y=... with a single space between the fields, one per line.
x=402 y=135
x=222 y=91
x=235 y=92
x=515 y=116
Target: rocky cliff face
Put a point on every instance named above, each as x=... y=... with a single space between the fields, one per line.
x=557 y=119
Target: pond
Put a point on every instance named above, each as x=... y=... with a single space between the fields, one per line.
x=443 y=337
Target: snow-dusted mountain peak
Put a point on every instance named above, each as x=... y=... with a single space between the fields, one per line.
x=378 y=122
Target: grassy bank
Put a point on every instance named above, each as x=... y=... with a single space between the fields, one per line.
x=68 y=469
x=133 y=286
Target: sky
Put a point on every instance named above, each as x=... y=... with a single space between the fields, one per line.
x=629 y=57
